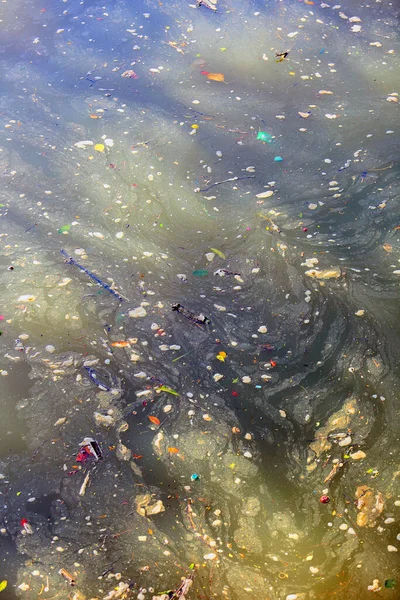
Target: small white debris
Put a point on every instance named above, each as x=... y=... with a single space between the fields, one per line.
x=392 y=548
x=83 y=144
x=330 y=116
x=210 y=256
x=312 y=206
x=140 y=375
x=282 y=413
x=109 y=142
x=24 y=587
x=247 y=454
x=167 y=408
x=314 y=570
x=210 y=556
x=360 y=313
x=119 y=235
x=343 y=527
x=218 y=153
x=142 y=538
x=345 y=442
x=50 y=348
x=292 y=34
x=137 y=312
x=217 y=376
x=220 y=307
x=246 y=379
x=389 y=521
x=262 y=329
x=266 y=194
x=27 y=298
x=375 y=587
x=356 y=28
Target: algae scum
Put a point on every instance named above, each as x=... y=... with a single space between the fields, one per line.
x=243 y=165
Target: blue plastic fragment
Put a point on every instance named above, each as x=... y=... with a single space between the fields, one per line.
x=194 y=477
x=278 y=159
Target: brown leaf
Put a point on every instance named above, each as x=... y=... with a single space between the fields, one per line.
x=216 y=76
x=387 y=247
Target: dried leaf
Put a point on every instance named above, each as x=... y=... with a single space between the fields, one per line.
x=216 y=76
x=387 y=247
x=154 y=420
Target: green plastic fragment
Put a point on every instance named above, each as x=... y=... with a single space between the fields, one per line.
x=200 y=273
x=390 y=583
x=218 y=252
x=263 y=136
x=165 y=388
x=64 y=228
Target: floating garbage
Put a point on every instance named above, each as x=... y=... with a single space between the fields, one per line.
x=64 y=573
x=191 y=315
x=211 y=4
x=90 y=448
x=92 y=276
x=263 y=136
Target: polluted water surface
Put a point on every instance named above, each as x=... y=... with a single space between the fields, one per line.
x=199 y=315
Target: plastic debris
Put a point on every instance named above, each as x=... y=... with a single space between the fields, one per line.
x=201 y=319
x=89 y=448
x=324 y=499
x=218 y=253
x=263 y=136
x=211 y=4
x=92 y=373
x=64 y=573
x=72 y=261
x=165 y=388
x=195 y=477
x=390 y=583
x=26 y=526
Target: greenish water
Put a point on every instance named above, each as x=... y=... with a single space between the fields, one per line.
x=129 y=140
